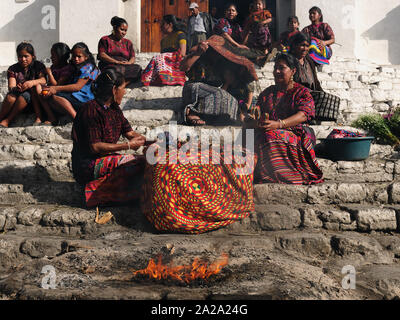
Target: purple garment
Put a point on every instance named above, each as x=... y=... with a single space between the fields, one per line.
x=65 y=72
x=35 y=71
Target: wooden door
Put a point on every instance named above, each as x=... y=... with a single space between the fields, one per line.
x=151 y=35
x=152 y=12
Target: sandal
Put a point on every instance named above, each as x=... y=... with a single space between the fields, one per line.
x=195 y=122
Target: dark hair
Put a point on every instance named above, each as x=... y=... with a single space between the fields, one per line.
x=290 y=60
x=33 y=68
x=102 y=87
x=177 y=24
x=319 y=12
x=86 y=52
x=62 y=51
x=117 y=21
x=26 y=46
x=293 y=18
x=298 y=38
x=262 y=1
x=230 y=5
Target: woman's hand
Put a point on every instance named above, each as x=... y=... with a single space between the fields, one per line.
x=25 y=86
x=269 y=125
x=52 y=90
x=202 y=47
x=137 y=142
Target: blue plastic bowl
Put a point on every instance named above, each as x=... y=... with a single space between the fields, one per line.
x=347 y=149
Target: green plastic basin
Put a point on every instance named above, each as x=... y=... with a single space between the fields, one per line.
x=347 y=149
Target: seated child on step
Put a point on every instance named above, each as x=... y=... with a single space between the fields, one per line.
x=69 y=98
x=60 y=73
x=22 y=78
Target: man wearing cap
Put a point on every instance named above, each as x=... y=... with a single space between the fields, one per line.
x=200 y=26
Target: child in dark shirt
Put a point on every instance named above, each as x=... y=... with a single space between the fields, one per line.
x=23 y=77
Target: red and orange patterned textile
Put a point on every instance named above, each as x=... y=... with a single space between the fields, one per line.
x=186 y=197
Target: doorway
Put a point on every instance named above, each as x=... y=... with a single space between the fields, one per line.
x=280 y=10
x=152 y=12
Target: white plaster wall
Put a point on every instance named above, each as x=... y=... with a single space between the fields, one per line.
x=87 y=20
x=378 y=31
x=340 y=15
x=132 y=14
x=24 y=21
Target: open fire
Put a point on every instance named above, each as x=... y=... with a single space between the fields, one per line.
x=186 y=273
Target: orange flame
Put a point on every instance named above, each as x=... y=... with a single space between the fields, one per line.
x=186 y=273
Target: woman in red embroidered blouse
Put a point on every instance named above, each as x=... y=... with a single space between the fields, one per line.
x=322 y=37
x=108 y=177
x=117 y=52
x=284 y=143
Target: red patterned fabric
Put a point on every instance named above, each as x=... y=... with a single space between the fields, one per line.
x=118 y=179
x=196 y=198
x=286 y=155
x=163 y=69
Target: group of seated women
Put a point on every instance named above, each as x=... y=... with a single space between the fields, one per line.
x=175 y=196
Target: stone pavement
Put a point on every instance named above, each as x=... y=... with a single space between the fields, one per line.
x=294 y=246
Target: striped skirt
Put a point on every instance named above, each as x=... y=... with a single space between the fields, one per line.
x=286 y=156
x=163 y=70
x=189 y=197
x=118 y=179
x=319 y=53
x=208 y=100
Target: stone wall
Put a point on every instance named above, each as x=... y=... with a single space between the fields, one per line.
x=364 y=87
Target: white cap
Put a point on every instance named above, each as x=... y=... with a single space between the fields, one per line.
x=193 y=5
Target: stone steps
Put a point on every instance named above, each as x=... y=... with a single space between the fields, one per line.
x=363 y=87
x=42 y=166
x=73 y=221
x=328 y=193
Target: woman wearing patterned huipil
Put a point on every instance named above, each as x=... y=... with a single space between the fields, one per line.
x=284 y=144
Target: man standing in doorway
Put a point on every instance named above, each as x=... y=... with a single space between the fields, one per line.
x=200 y=26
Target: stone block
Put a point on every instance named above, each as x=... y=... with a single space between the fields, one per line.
x=351 y=193
x=279 y=193
x=360 y=95
x=67 y=217
x=385 y=85
x=274 y=218
x=8 y=219
x=355 y=84
x=39 y=248
x=322 y=193
x=30 y=216
x=374 y=219
x=306 y=244
x=379 y=95
x=357 y=247
x=310 y=218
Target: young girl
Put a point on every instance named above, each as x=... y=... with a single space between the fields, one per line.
x=322 y=37
x=256 y=33
x=69 y=98
x=22 y=77
x=285 y=37
x=60 y=73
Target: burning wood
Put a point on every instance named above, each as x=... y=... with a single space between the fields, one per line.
x=185 y=273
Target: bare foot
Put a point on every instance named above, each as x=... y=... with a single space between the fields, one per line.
x=4 y=124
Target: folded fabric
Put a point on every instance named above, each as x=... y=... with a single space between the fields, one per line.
x=319 y=53
x=340 y=133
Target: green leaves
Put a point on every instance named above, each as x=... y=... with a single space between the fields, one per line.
x=381 y=128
